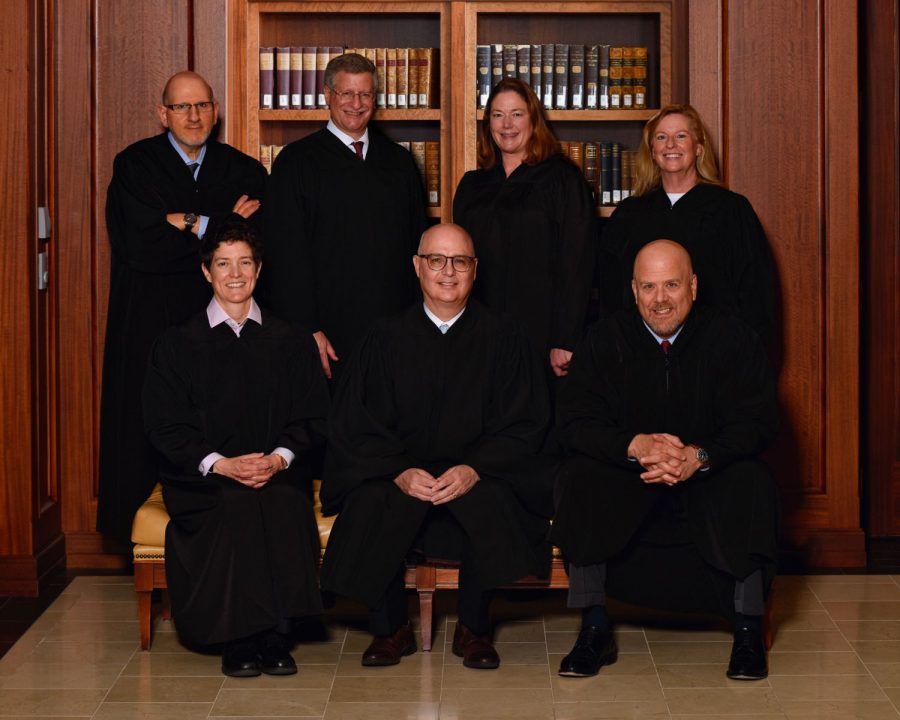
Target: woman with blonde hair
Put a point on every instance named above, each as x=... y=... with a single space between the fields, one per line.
x=678 y=195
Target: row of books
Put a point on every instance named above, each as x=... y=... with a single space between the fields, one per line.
x=607 y=167
x=568 y=77
x=427 y=155
x=293 y=78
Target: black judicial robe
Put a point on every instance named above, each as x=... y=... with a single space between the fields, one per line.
x=155 y=283
x=722 y=233
x=412 y=397
x=535 y=236
x=238 y=560
x=715 y=389
x=340 y=235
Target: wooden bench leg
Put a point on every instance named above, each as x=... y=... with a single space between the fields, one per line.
x=145 y=601
x=426 y=579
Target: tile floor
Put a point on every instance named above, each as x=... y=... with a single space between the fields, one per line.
x=836 y=655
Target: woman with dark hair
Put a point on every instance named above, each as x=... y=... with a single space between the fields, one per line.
x=530 y=213
x=678 y=195
x=233 y=400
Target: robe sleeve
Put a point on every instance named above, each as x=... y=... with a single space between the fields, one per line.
x=171 y=420
x=590 y=403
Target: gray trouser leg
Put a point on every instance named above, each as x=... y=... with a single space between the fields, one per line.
x=748 y=595
x=587 y=585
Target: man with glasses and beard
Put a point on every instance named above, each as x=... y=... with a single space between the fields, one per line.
x=166 y=193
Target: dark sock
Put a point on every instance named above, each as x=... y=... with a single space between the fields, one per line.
x=753 y=622
x=595 y=616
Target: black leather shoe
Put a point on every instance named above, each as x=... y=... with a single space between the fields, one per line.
x=593 y=649
x=388 y=649
x=477 y=651
x=275 y=656
x=240 y=658
x=748 y=656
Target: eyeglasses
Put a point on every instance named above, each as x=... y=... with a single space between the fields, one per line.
x=461 y=263
x=346 y=96
x=184 y=108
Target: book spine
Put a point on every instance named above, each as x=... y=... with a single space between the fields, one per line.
x=282 y=78
x=523 y=58
x=433 y=172
x=482 y=74
x=265 y=157
x=380 y=77
x=591 y=59
x=391 y=76
x=309 y=77
x=561 y=76
x=615 y=173
x=640 y=78
x=509 y=61
x=426 y=77
x=296 y=78
x=417 y=150
x=547 y=71
x=266 y=78
x=275 y=150
x=603 y=76
x=323 y=55
x=403 y=78
x=576 y=153
x=415 y=56
x=627 y=78
x=591 y=168
x=627 y=172
x=615 y=78
x=496 y=64
x=605 y=174
x=576 y=76
x=536 y=71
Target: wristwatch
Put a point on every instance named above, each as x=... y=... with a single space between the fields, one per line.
x=702 y=455
x=190 y=219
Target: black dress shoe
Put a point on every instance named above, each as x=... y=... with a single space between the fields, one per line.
x=241 y=658
x=593 y=649
x=388 y=649
x=477 y=651
x=275 y=656
x=748 y=656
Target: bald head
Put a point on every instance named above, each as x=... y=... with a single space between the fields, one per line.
x=445 y=231
x=664 y=286
x=180 y=80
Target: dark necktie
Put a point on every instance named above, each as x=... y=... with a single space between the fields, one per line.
x=358 y=146
x=665 y=345
x=193 y=168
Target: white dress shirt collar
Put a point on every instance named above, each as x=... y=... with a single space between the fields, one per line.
x=438 y=322
x=347 y=140
x=216 y=316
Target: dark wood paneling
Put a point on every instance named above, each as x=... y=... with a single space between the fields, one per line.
x=881 y=233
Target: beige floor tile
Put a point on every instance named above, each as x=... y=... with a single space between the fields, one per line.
x=174 y=664
x=50 y=702
x=886 y=674
x=806 y=620
x=687 y=635
x=627 y=664
x=381 y=688
x=381 y=711
x=497 y=704
x=607 y=687
x=63 y=603
x=831 y=687
x=894 y=695
x=357 y=641
x=84 y=652
x=153 y=711
x=723 y=702
x=855 y=610
x=317 y=653
x=672 y=653
x=165 y=689
x=167 y=642
x=84 y=676
x=506 y=676
x=878 y=652
x=815 y=663
x=104 y=611
x=793 y=601
x=809 y=641
x=420 y=663
x=522 y=653
x=816 y=581
x=106 y=592
x=754 y=716
x=862 y=592
x=612 y=710
x=307 y=676
x=45 y=623
x=265 y=702
x=530 y=632
x=98 y=631
x=840 y=710
x=870 y=629
x=563 y=621
x=699 y=675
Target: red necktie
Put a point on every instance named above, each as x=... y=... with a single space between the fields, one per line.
x=665 y=345
x=358 y=146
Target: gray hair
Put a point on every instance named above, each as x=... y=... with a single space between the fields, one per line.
x=352 y=63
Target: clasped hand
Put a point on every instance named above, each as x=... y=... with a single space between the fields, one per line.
x=663 y=457
x=253 y=470
x=422 y=485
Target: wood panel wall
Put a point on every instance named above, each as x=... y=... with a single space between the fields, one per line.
x=790 y=146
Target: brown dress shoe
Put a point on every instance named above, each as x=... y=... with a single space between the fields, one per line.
x=388 y=649
x=477 y=651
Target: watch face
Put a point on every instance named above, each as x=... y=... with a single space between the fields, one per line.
x=702 y=455
x=190 y=219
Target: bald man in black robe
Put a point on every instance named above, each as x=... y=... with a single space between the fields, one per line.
x=663 y=497
x=432 y=447
x=166 y=193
